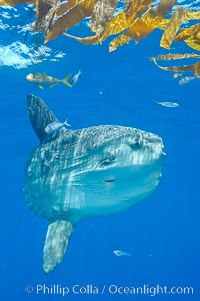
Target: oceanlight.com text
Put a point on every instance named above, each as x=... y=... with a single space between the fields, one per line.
x=111 y=289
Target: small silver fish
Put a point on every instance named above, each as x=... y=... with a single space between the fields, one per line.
x=54 y=127
x=176 y=75
x=186 y=80
x=75 y=78
x=122 y=253
x=168 y=104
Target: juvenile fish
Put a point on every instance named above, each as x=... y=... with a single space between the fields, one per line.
x=176 y=75
x=122 y=253
x=185 y=80
x=44 y=80
x=75 y=78
x=168 y=104
x=54 y=127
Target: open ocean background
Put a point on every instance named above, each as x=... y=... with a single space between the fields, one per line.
x=119 y=88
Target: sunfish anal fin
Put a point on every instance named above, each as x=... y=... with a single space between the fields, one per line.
x=57 y=240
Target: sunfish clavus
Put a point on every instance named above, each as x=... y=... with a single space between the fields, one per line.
x=76 y=174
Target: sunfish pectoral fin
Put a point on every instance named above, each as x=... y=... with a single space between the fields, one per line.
x=57 y=240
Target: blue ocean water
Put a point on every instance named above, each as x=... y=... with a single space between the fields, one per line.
x=120 y=88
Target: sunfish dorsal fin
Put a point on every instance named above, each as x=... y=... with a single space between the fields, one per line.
x=40 y=116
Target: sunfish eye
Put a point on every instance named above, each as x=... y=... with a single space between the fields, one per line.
x=108 y=160
x=136 y=145
x=105 y=162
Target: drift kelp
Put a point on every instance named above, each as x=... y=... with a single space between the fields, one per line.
x=180 y=15
x=45 y=10
x=102 y=12
x=74 y=16
x=15 y=2
x=191 y=36
x=195 y=67
x=174 y=56
x=135 y=20
x=119 y=22
x=142 y=27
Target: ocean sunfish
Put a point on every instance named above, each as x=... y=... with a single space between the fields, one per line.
x=76 y=174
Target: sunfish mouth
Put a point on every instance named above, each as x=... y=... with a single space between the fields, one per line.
x=109 y=180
